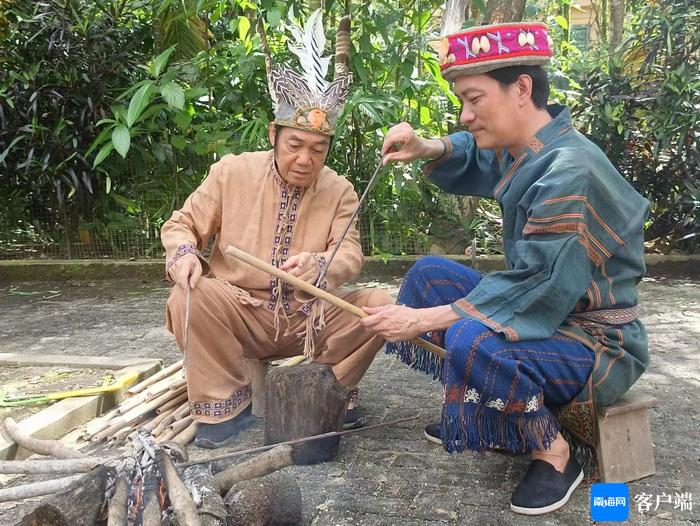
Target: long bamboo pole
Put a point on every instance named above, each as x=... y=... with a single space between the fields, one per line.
x=319 y=293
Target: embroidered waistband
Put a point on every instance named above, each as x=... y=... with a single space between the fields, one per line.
x=608 y=316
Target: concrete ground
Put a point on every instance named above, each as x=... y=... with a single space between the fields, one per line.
x=392 y=475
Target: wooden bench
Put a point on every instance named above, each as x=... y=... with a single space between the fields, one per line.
x=625 y=450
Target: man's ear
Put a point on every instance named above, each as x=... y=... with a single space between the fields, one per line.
x=272 y=133
x=524 y=87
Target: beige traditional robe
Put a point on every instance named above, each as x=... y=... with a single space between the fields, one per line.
x=240 y=311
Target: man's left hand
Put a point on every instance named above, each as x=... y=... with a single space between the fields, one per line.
x=303 y=266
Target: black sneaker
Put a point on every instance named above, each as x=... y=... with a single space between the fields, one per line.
x=433 y=432
x=543 y=489
x=212 y=436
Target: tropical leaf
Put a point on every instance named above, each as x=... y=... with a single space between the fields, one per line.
x=174 y=95
x=121 y=140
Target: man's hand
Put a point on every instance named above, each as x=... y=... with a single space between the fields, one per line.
x=394 y=322
x=303 y=266
x=402 y=144
x=400 y=323
x=186 y=271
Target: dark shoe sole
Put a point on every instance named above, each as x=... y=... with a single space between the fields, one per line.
x=552 y=507
x=210 y=444
x=431 y=438
x=360 y=422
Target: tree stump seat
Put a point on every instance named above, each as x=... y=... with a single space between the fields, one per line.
x=625 y=449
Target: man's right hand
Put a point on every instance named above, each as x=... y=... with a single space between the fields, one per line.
x=402 y=144
x=186 y=271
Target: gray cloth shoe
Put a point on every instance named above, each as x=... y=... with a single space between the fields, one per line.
x=543 y=489
x=212 y=436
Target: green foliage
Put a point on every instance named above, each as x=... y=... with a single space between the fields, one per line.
x=644 y=112
x=111 y=112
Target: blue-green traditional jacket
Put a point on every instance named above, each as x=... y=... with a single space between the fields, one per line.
x=573 y=243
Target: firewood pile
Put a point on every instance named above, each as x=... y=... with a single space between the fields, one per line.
x=157 y=405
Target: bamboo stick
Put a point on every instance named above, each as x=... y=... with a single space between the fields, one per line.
x=151 y=424
x=319 y=293
x=129 y=418
x=96 y=425
x=149 y=394
x=155 y=378
x=175 y=402
x=36 y=489
x=52 y=448
x=180 y=412
x=187 y=435
x=174 y=429
x=32 y=467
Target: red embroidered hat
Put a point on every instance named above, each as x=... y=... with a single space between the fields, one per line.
x=485 y=48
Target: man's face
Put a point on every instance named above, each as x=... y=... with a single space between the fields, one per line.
x=300 y=154
x=489 y=110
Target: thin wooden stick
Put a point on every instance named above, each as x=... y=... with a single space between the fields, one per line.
x=52 y=448
x=319 y=293
x=296 y=441
x=36 y=489
x=69 y=465
x=156 y=377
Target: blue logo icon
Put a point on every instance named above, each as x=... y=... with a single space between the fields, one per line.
x=610 y=502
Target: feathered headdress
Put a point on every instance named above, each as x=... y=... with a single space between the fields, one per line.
x=307 y=101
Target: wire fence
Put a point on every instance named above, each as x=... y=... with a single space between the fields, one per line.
x=45 y=238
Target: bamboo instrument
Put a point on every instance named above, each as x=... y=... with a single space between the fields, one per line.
x=317 y=292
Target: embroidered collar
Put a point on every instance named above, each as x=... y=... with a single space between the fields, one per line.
x=560 y=124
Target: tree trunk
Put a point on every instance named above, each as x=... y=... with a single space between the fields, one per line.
x=301 y=401
x=617 y=21
x=499 y=11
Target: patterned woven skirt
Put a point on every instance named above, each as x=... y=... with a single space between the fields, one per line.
x=496 y=393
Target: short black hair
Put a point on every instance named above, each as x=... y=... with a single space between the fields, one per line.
x=540 y=83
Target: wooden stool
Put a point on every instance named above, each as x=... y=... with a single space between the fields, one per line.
x=625 y=450
x=256 y=370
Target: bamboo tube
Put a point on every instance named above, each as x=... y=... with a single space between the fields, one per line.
x=187 y=435
x=130 y=417
x=180 y=412
x=174 y=429
x=53 y=448
x=175 y=402
x=155 y=378
x=152 y=392
x=151 y=424
x=319 y=293
x=96 y=425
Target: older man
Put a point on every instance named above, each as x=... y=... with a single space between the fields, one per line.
x=556 y=333
x=287 y=207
